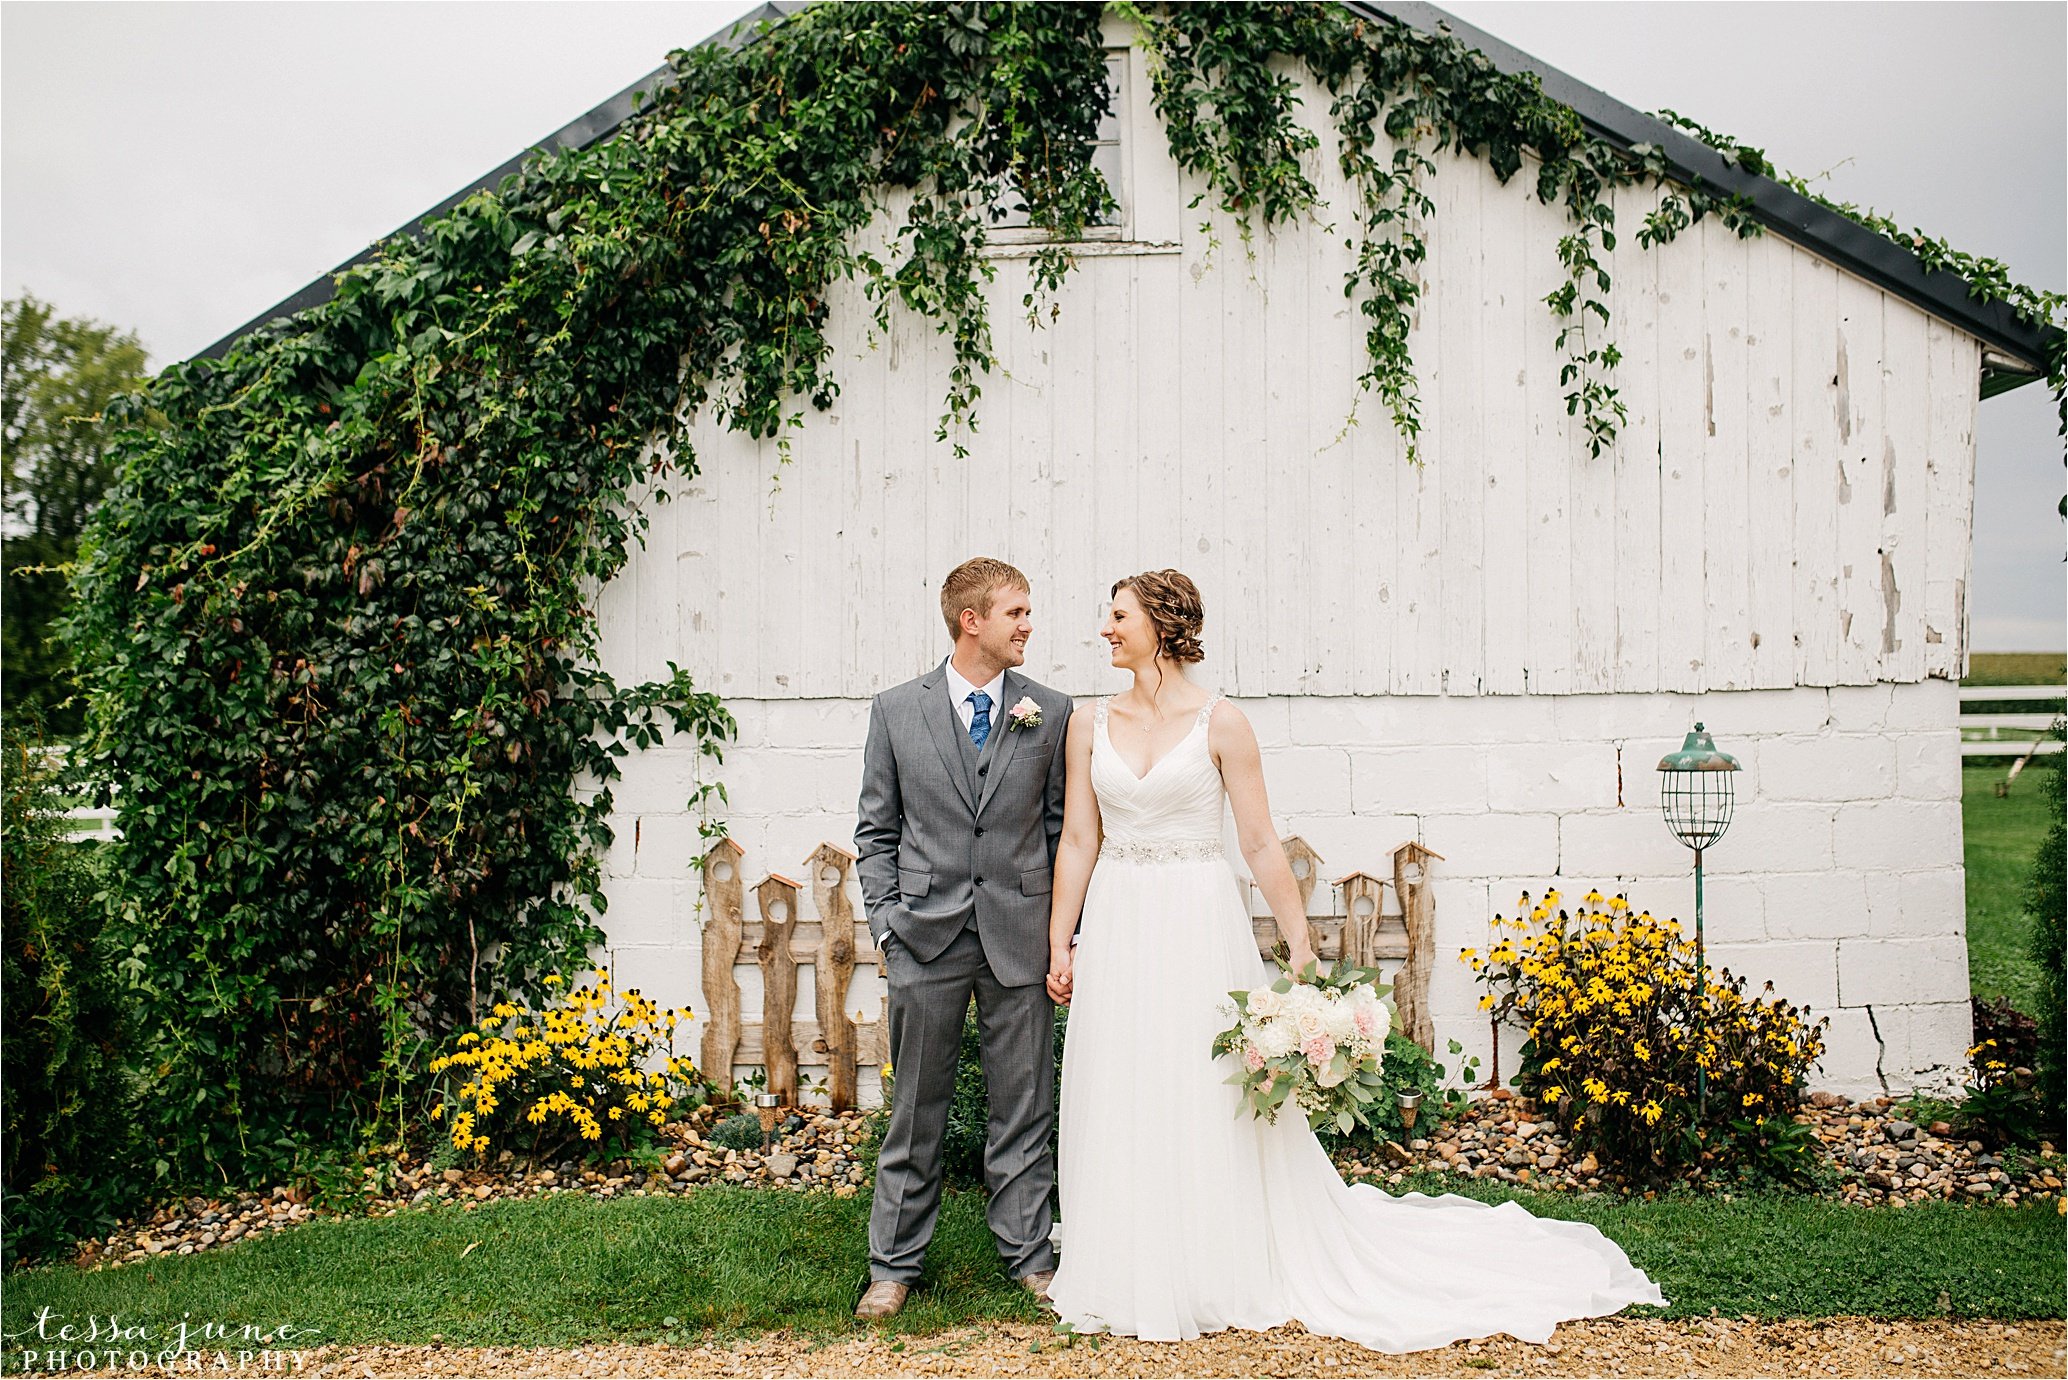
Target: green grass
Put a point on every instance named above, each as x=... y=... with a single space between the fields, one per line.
x=2001 y=838
x=2016 y=668
x=721 y=1261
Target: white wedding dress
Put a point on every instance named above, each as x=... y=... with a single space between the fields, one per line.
x=1180 y=1215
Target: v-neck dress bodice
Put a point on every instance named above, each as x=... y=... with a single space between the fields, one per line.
x=1172 y=812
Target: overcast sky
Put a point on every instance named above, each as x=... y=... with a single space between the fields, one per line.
x=178 y=168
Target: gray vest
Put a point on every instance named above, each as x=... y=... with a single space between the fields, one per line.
x=974 y=762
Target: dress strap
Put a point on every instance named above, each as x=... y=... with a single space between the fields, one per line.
x=1098 y=711
x=1206 y=710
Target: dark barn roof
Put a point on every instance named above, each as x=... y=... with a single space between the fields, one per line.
x=2016 y=350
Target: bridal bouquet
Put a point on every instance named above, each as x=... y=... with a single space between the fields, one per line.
x=1316 y=1043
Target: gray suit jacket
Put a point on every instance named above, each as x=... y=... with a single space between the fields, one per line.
x=947 y=834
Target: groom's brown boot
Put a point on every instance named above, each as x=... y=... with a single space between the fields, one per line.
x=882 y=1300
x=1037 y=1285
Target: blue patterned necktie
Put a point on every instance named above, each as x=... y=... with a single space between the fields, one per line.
x=980 y=722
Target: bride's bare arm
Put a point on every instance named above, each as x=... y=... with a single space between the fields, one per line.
x=1234 y=745
x=1076 y=851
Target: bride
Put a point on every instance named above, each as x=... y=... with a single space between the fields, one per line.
x=1184 y=1214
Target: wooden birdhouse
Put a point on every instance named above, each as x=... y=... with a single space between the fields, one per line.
x=724 y=925
x=833 y=969
x=777 y=897
x=1411 y=882
x=1363 y=900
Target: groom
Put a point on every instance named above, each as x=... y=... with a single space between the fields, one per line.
x=961 y=805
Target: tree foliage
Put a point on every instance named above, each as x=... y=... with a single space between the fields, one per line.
x=56 y=375
x=2047 y=902
x=67 y=1098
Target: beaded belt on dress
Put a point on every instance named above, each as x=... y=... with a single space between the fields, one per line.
x=1157 y=851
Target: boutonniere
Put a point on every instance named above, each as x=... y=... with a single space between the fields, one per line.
x=1025 y=714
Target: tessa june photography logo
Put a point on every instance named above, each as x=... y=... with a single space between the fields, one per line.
x=56 y=1341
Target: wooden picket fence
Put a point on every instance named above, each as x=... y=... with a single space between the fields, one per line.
x=837 y=940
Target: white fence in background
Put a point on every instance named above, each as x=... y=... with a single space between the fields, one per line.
x=92 y=823
x=2009 y=735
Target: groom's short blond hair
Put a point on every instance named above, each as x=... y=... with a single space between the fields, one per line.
x=973 y=585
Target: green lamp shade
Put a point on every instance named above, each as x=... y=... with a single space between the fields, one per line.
x=1695 y=790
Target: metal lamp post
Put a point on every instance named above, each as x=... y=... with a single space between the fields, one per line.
x=1695 y=793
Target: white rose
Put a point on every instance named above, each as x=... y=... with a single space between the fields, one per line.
x=1265 y=1003
x=1328 y=1077
x=1273 y=1039
x=1340 y=1020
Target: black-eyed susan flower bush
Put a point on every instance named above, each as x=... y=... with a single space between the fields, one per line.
x=1609 y=998
x=596 y=1073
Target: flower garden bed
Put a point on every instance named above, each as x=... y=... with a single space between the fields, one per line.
x=1873 y=1157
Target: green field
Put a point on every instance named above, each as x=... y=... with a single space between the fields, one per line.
x=2016 y=668
x=2002 y=835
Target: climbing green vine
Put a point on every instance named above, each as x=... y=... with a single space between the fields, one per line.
x=1232 y=115
x=336 y=613
x=336 y=617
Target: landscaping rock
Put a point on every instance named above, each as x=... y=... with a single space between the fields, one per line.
x=822 y=1155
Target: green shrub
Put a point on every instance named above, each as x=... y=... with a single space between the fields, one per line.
x=1406 y=1067
x=71 y=1153
x=1624 y=1032
x=2003 y=1103
x=742 y=1132
x=2047 y=901
x=570 y=1070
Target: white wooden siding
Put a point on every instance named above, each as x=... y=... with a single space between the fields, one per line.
x=1789 y=503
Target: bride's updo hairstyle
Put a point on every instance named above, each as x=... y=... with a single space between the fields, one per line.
x=1172 y=603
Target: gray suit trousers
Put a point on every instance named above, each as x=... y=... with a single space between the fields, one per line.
x=928 y=1002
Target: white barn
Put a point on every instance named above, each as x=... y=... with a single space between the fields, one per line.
x=1488 y=653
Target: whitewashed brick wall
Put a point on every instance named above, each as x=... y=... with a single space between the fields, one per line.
x=1840 y=879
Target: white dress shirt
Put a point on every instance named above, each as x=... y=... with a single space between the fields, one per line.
x=960 y=690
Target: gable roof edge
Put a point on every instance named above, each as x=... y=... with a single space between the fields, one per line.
x=2016 y=344
x=2016 y=353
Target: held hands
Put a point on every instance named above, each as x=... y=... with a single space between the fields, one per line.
x=1060 y=965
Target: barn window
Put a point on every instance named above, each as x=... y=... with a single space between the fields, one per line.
x=1107 y=157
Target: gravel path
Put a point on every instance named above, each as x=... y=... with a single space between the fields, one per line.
x=1819 y=1347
